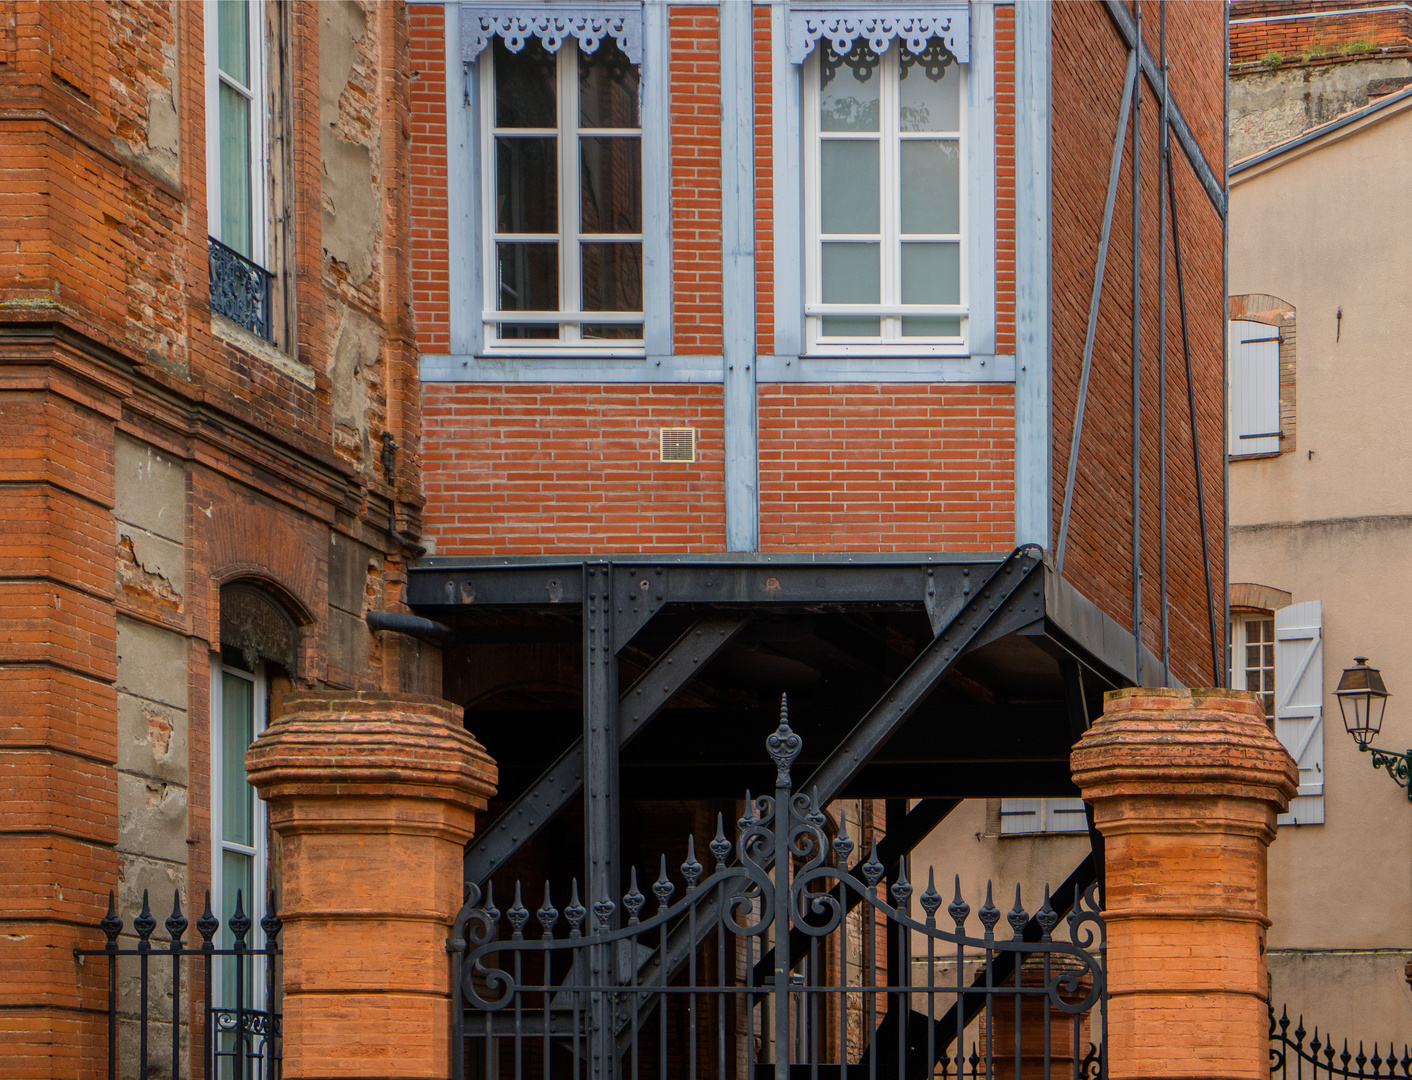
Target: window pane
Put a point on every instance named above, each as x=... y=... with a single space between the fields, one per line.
x=237 y=732
x=848 y=179
x=850 y=326
x=233 y=40
x=931 y=326
x=612 y=277
x=607 y=87
x=528 y=332
x=528 y=275
x=524 y=86
x=526 y=185
x=611 y=175
x=931 y=90
x=235 y=171
x=848 y=97
x=237 y=873
x=931 y=273
x=850 y=274
x=931 y=186
x=616 y=332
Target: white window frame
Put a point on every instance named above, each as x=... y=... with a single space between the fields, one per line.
x=259 y=124
x=1240 y=620
x=254 y=905
x=890 y=309
x=570 y=314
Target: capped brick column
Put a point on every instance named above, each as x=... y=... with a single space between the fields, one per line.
x=373 y=797
x=1186 y=786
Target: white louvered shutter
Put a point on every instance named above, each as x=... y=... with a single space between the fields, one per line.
x=1299 y=704
x=1065 y=815
x=1020 y=816
x=1255 y=388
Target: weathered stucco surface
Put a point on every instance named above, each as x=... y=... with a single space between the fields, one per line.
x=1268 y=107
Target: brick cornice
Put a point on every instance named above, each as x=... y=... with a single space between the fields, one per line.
x=1183 y=743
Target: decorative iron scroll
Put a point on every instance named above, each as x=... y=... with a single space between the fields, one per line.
x=240 y=290
x=913 y=25
x=553 y=24
x=793 y=933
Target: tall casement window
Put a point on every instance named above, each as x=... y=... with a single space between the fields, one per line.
x=239 y=861
x=562 y=143
x=885 y=201
x=237 y=195
x=1252 y=653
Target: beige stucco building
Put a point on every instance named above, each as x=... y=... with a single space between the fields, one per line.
x=1320 y=540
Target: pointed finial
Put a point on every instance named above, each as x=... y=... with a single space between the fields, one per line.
x=662 y=888
x=1018 y=916
x=547 y=914
x=575 y=912
x=634 y=899
x=989 y=913
x=958 y=908
x=930 y=898
x=176 y=921
x=111 y=925
x=720 y=846
x=783 y=746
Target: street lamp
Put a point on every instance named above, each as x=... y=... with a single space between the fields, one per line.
x=1362 y=697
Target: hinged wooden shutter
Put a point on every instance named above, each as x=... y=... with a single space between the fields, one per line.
x=1019 y=816
x=1065 y=815
x=1299 y=704
x=1255 y=388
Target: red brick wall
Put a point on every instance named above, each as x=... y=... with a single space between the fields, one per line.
x=430 y=261
x=1004 y=179
x=696 y=180
x=1088 y=80
x=1327 y=37
x=525 y=469
x=887 y=468
x=764 y=189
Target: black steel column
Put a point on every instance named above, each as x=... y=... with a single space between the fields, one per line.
x=600 y=743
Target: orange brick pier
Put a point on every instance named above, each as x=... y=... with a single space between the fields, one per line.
x=373 y=797
x=1186 y=786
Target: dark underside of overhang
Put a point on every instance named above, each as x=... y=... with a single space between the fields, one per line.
x=933 y=677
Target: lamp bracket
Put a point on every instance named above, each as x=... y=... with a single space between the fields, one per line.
x=1398 y=766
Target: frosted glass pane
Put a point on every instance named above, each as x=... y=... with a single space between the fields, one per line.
x=235 y=171
x=848 y=90
x=849 y=186
x=851 y=326
x=850 y=274
x=931 y=273
x=931 y=91
x=237 y=732
x=931 y=186
x=233 y=40
x=931 y=326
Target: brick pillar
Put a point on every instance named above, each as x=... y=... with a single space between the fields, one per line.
x=1185 y=786
x=373 y=797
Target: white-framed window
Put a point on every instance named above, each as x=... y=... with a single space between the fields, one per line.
x=1026 y=817
x=237 y=148
x=562 y=196
x=885 y=145
x=1279 y=655
x=240 y=863
x=1252 y=656
x=1254 y=388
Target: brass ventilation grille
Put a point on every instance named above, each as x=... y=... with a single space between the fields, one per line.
x=678 y=444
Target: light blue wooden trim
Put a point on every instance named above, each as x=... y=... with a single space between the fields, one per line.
x=442 y=368
x=656 y=180
x=1032 y=274
x=847 y=369
x=787 y=147
x=738 y=277
x=980 y=179
x=462 y=193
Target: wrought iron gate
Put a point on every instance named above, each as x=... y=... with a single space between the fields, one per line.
x=794 y=966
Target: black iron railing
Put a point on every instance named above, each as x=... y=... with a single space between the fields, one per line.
x=240 y=289
x=240 y=1042
x=780 y=961
x=1321 y=1058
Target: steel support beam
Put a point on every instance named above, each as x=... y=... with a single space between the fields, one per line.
x=601 y=797
x=563 y=781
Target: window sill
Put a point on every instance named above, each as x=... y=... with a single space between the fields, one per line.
x=235 y=334
x=895 y=365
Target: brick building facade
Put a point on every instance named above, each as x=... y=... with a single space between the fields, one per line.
x=192 y=463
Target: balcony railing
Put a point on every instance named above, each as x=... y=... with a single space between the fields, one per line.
x=240 y=290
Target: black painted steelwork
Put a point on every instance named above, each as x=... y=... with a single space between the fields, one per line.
x=240 y=1042
x=240 y=289
x=782 y=979
x=1321 y=1059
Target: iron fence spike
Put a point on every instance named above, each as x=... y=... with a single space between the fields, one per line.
x=144 y=924
x=176 y=921
x=547 y=914
x=634 y=899
x=207 y=924
x=989 y=913
x=662 y=888
x=720 y=846
x=112 y=924
x=271 y=923
x=958 y=908
x=239 y=922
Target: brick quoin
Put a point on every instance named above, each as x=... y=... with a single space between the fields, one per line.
x=428 y=237
x=1088 y=81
